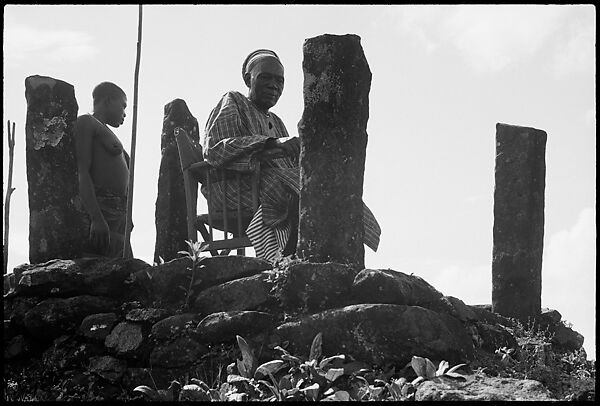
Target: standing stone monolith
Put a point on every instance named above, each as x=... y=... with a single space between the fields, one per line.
x=333 y=138
x=518 y=221
x=170 y=215
x=56 y=227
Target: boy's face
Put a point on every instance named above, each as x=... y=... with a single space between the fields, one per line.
x=266 y=83
x=115 y=110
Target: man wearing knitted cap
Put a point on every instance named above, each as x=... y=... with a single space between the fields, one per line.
x=239 y=128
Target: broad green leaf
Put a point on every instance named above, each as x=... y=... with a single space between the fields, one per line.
x=419 y=365
x=430 y=368
x=283 y=350
x=285 y=382
x=417 y=380
x=455 y=375
x=148 y=391
x=248 y=358
x=232 y=378
x=311 y=392
x=334 y=373
x=315 y=348
x=442 y=368
x=287 y=357
x=270 y=367
x=339 y=396
x=455 y=367
x=329 y=360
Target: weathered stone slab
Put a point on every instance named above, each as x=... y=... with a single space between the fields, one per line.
x=520 y=178
x=54 y=277
x=379 y=333
x=174 y=325
x=127 y=339
x=315 y=286
x=241 y=294
x=392 y=287
x=97 y=326
x=167 y=277
x=333 y=139
x=222 y=327
x=92 y=276
x=170 y=216
x=478 y=388
x=457 y=309
x=56 y=227
x=181 y=352
x=54 y=317
x=110 y=368
x=224 y=268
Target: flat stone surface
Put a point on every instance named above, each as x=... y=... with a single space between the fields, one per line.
x=175 y=325
x=241 y=294
x=91 y=276
x=311 y=287
x=379 y=333
x=222 y=327
x=392 y=287
x=483 y=389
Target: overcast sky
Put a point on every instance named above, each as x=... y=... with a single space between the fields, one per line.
x=443 y=76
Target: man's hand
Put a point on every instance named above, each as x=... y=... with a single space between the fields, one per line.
x=100 y=236
x=290 y=145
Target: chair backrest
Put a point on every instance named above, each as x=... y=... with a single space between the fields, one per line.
x=195 y=170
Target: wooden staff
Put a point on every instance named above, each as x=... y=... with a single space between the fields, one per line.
x=9 y=190
x=126 y=244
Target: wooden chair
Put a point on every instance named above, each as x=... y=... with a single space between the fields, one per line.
x=196 y=170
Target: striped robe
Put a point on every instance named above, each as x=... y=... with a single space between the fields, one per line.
x=235 y=132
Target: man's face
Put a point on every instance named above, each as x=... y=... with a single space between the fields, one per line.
x=266 y=83
x=116 y=111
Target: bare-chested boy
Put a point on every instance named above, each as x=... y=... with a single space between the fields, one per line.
x=103 y=171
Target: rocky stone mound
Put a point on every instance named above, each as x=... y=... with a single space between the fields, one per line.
x=124 y=323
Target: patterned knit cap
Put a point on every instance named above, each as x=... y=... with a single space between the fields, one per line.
x=255 y=57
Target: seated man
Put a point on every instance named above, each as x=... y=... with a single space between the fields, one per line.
x=238 y=129
x=103 y=171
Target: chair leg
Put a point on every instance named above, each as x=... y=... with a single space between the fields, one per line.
x=206 y=237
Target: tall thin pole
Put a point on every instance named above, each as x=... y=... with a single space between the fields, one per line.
x=128 y=223
x=9 y=190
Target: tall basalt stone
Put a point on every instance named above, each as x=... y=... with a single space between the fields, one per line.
x=333 y=138
x=170 y=215
x=518 y=221
x=56 y=227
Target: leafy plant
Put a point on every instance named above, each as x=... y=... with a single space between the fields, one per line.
x=425 y=369
x=505 y=354
x=194 y=253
